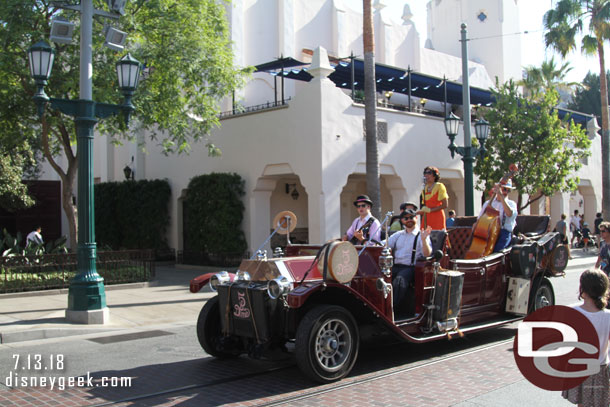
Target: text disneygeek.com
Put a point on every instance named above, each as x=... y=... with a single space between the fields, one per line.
x=38 y=363
x=16 y=380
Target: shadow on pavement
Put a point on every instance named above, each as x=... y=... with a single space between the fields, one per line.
x=211 y=382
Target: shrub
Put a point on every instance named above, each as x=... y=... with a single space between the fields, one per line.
x=215 y=213
x=132 y=214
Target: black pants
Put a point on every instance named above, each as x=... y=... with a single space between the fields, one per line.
x=402 y=276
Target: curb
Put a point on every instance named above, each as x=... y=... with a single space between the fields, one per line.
x=50 y=333
x=57 y=291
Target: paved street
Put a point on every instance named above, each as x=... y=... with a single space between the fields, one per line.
x=151 y=340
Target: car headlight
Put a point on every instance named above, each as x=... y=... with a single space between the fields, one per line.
x=218 y=279
x=278 y=287
x=242 y=276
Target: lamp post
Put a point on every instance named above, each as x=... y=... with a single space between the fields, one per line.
x=467 y=152
x=86 y=297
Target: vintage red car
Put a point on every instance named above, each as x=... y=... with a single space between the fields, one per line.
x=316 y=303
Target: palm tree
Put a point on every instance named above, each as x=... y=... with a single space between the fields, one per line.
x=547 y=76
x=370 y=110
x=568 y=18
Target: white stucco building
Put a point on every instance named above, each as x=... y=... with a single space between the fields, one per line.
x=314 y=142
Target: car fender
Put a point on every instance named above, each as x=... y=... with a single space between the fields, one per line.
x=200 y=281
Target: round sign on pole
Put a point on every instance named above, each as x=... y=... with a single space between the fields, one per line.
x=282 y=220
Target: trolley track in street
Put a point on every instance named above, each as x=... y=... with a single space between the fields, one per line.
x=414 y=363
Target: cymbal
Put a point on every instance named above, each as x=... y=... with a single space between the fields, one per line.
x=281 y=220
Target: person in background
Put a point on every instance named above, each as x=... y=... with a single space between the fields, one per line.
x=574 y=226
x=397 y=224
x=593 y=291
x=562 y=228
x=434 y=200
x=597 y=237
x=451 y=219
x=34 y=237
x=365 y=227
x=586 y=236
x=603 y=260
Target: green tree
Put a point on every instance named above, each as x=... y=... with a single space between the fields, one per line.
x=527 y=132
x=587 y=98
x=548 y=75
x=184 y=45
x=563 y=23
x=14 y=160
x=370 y=110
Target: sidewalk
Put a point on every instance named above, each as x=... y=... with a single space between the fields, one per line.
x=164 y=301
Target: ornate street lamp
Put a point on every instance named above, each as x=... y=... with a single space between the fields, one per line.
x=86 y=296
x=452 y=124
x=128 y=72
x=481 y=130
x=41 y=57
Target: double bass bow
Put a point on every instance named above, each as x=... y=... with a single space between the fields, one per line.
x=487 y=228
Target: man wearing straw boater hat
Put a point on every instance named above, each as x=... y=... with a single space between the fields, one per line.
x=508 y=213
x=365 y=227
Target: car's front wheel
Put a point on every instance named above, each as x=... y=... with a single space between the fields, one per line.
x=327 y=343
x=209 y=332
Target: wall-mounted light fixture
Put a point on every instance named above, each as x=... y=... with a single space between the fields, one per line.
x=129 y=171
x=295 y=193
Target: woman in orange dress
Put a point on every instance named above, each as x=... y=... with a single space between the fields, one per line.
x=434 y=200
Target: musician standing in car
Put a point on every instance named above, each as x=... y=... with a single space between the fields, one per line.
x=508 y=213
x=365 y=227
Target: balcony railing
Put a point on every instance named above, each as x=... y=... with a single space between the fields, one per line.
x=239 y=110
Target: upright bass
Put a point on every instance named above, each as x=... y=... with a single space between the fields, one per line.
x=487 y=228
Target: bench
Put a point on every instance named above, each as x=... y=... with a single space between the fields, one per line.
x=532 y=226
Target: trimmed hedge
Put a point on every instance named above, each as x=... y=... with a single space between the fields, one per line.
x=132 y=214
x=215 y=213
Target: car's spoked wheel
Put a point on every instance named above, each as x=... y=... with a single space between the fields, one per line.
x=327 y=343
x=333 y=343
x=543 y=296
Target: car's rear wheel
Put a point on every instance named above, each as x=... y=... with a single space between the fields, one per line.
x=327 y=343
x=209 y=332
x=542 y=294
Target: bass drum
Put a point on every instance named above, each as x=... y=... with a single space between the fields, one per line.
x=342 y=261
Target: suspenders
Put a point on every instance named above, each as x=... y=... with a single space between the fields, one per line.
x=413 y=251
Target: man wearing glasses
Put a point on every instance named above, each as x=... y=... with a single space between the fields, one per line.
x=603 y=260
x=508 y=213
x=407 y=246
x=365 y=227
